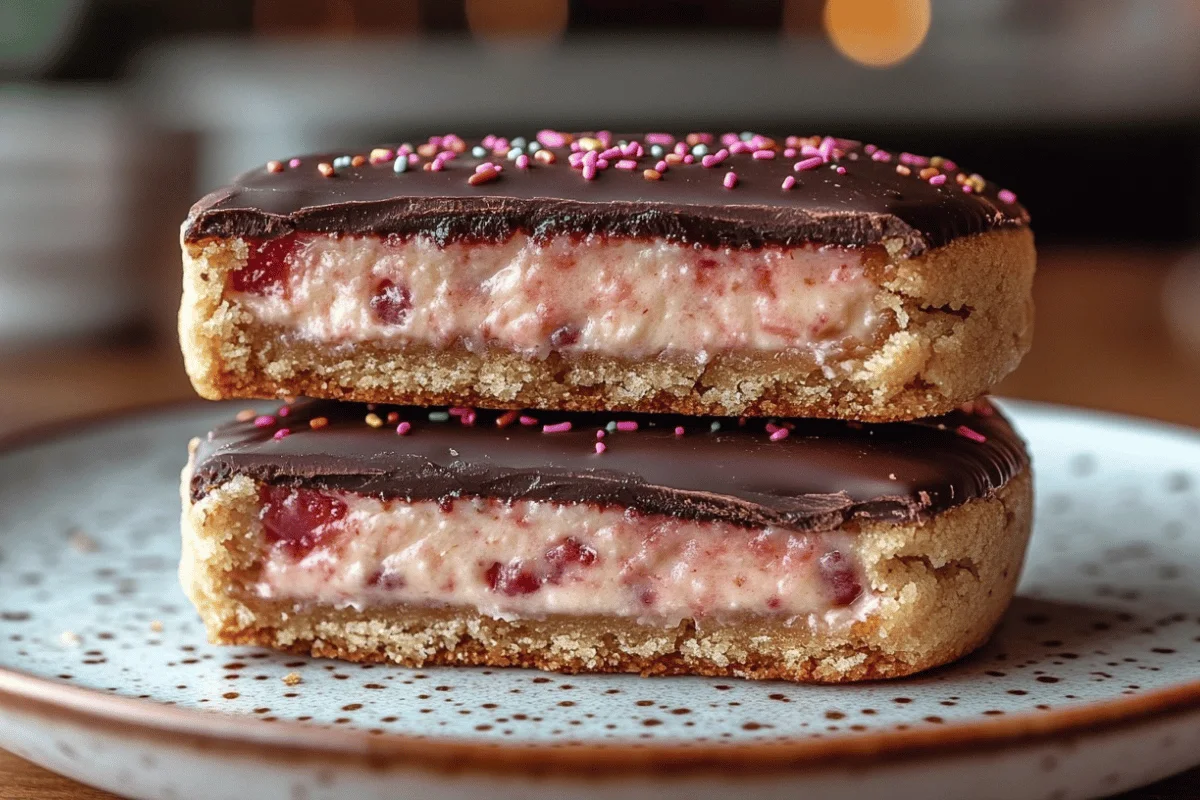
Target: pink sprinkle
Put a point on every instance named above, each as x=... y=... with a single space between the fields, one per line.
x=730 y=180
x=264 y=421
x=664 y=139
x=526 y=420
x=486 y=166
x=772 y=427
x=740 y=147
x=914 y=160
x=702 y=138
x=809 y=150
x=282 y=432
x=576 y=147
x=967 y=188
x=689 y=159
x=601 y=163
x=605 y=138
x=403 y=428
x=781 y=433
x=413 y=159
x=788 y=182
x=558 y=427
x=437 y=165
x=627 y=425
x=549 y=138
x=968 y=433
x=404 y=150
x=937 y=180
x=949 y=165
x=727 y=139
x=662 y=166
x=447 y=155
x=283 y=411
x=600 y=433
x=459 y=411
x=522 y=161
x=600 y=447
x=841 y=170
x=589 y=172
x=826 y=147
x=591 y=157
x=611 y=152
x=789 y=152
x=1006 y=196
x=681 y=148
x=764 y=155
x=808 y=163
x=881 y=155
x=489 y=140
x=632 y=149
x=468 y=419
x=626 y=163
x=870 y=149
x=295 y=162
x=679 y=430
x=575 y=160
x=713 y=159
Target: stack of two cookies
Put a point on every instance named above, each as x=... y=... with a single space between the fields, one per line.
x=699 y=404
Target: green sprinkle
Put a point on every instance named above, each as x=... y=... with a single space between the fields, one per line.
x=439 y=416
x=401 y=164
x=716 y=426
x=700 y=150
x=656 y=151
x=534 y=147
x=610 y=427
x=746 y=136
x=478 y=151
x=518 y=141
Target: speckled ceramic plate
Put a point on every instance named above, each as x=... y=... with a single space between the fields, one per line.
x=1091 y=686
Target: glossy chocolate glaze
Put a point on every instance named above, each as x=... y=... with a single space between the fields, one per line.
x=869 y=203
x=822 y=475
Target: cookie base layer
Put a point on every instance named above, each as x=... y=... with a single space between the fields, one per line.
x=941 y=587
x=962 y=321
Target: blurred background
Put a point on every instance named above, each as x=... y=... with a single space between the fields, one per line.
x=116 y=114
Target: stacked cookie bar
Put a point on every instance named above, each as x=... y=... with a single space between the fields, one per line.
x=669 y=404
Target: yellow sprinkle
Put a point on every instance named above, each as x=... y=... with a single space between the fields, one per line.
x=927 y=173
x=316 y=423
x=545 y=156
x=374 y=421
x=590 y=143
x=652 y=175
x=903 y=170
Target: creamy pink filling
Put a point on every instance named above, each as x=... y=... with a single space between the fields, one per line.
x=531 y=559
x=620 y=298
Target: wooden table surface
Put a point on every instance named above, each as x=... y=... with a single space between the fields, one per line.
x=1102 y=342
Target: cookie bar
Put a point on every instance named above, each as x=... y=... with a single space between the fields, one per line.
x=699 y=274
x=804 y=550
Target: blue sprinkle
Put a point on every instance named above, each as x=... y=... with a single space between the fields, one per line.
x=478 y=151
x=610 y=427
x=439 y=416
x=401 y=164
x=656 y=150
x=746 y=136
x=518 y=142
x=513 y=153
x=700 y=150
x=716 y=426
x=534 y=147
x=341 y=161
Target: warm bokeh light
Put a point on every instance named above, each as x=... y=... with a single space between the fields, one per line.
x=877 y=33
x=517 y=19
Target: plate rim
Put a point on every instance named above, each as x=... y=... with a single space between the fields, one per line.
x=24 y=693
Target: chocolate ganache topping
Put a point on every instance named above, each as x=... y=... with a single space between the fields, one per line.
x=815 y=475
x=737 y=191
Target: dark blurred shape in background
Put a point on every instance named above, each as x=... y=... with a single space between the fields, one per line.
x=116 y=114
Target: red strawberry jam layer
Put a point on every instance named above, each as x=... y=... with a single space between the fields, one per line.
x=621 y=298
x=533 y=558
